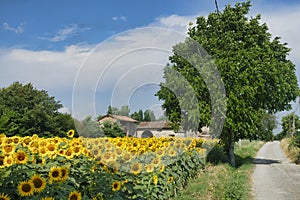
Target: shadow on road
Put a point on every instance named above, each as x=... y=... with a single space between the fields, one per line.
x=261 y=161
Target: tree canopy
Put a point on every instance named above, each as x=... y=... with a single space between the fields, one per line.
x=257 y=76
x=123 y=111
x=25 y=111
x=290 y=124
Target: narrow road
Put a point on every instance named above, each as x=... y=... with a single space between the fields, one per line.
x=274 y=176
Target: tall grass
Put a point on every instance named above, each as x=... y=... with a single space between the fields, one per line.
x=292 y=152
x=222 y=181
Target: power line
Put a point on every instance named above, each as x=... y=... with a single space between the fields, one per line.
x=217 y=7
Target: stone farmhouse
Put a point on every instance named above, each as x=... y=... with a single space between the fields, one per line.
x=138 y=129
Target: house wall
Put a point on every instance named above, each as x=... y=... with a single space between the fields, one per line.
x=129 y=127
x=157 y=133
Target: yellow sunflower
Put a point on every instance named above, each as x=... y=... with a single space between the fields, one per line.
x=149 y=168
x=48 y=198
x=16 y=139
x=136 y=168
x=38 y=182
x=34 y=144
x=26 y=141
x=54 y=174
x=118 y=151
x=160 y=152
x=172 y=152
x=155 y=180
x=8 y=161
x=156 y=161
x=126 y=156
x=43 y=151
x=4 y=197
x=8 y=149
x=170 y=179
x=21 y=157
x=161 y=167
x=26 y=188
x=64 y=171
x=71 y=133
x=75 y=196
x=115 y=186
x=69 y=154
x=51 y=148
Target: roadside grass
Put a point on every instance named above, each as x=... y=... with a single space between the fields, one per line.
x=293 y=153
x=221 y=181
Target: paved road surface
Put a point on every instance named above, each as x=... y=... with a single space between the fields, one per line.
x=274 y=177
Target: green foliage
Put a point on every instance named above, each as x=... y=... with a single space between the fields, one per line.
x=266 y=127
x=139 y=116
x=288 y=128
x=112 y=129
x=123 y=111
x=216 y=155
x=88 y=128
x=24 y=111
x=234 y=188
x=222 y=181
x=149 y=116
x=250 y=63
x=295 y=141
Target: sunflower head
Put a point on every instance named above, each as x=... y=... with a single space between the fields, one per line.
x=69 y=153
x=155 y=180
x=75 y=196
x=21 y=157
x=55 y=174
x=26 y=188
x=64 y=173
x=71 y=133
x=156 y=161
x=38 y=182
x=48 y=198
x=115 y=186
x=170 y=179
x=162 y=167
x=8 y=148
x=172 y=152
x=149 y=168
x=136 y=168
x=8 y=161
x=4 y=197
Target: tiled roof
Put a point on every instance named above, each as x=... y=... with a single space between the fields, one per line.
x=121 y=118
x=154 y=125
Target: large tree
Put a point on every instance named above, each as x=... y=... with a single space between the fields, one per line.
x=255 y=71
x=290 y=124
x=24 y=110
x=123 y=111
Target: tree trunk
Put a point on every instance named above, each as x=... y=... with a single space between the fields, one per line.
x=230 y=147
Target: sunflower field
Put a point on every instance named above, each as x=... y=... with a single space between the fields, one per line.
x=97 y=168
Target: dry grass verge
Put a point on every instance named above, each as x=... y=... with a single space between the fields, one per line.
x=293 y=153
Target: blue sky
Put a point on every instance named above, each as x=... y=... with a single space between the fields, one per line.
x=89 y=54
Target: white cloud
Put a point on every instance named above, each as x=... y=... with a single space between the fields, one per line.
x=64 y=110
x=17 y=30
x=175 y=22
x=139 y=54
x=122 y=63
x=64 y=33
x=283 y=22
x=121 y=18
